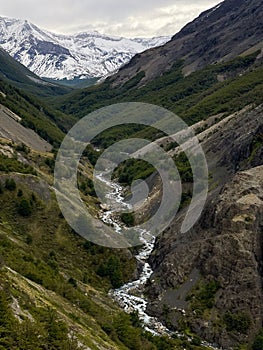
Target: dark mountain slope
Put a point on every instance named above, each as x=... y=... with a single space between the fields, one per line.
x=220 y=34
x=18 y=75
x=25 y=94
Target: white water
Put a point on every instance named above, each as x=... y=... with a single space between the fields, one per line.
x=130 y=296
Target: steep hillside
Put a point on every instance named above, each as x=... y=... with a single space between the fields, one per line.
x=223 y=87
x=210 y=279
x=54 y=284
x=34 y=113
x=11 y=129
x=18 y=75
x=232 y=28
x=26 y=95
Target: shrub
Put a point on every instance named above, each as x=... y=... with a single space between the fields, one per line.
x=8 y=165
x=127 y=219
x=184 y=167
x=239 y=322
x=73 y=282
x=10 y=184
x=258 y=343
x=203 y=297
x=20 y=193
x=50 y=162
x=22 y=148
x=24 y=208
x=196 y=341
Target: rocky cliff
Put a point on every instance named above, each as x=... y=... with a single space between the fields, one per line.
x=209 y=280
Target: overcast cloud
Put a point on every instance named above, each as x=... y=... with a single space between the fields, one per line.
x=137 y=18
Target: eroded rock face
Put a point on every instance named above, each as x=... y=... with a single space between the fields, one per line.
x=228 y=251
x=210 y=279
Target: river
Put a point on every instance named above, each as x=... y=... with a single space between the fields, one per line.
x=131 y=295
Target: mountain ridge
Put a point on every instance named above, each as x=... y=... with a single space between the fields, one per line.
x=59 y=56
x=210 y=38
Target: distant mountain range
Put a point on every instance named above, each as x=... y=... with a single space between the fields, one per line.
x=83 y=55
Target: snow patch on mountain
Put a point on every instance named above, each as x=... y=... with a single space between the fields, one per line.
x=57 y=56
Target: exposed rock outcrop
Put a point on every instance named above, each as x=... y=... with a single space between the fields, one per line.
x=210 y=279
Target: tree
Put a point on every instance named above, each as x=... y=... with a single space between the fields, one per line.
x=258 y=343
x=10 y=184
x=112 y=269
x=7 y=322
x=24 y=208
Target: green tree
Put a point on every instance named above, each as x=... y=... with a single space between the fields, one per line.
x=112 y=269
x=10 y=184
x=258 y=343
x=7 y=322
x=24 y=208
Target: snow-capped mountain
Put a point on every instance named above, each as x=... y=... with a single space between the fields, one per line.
x=83 y=55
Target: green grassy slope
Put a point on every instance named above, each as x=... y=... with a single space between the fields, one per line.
x=36 y=114
x=194 y=97
x=52 y=280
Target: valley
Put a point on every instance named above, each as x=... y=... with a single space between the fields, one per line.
x=194 y=290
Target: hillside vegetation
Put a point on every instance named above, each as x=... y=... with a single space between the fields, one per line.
x=36 y=114
x=54 y=284
x=224 y=87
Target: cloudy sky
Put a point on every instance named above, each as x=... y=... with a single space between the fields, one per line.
x=136 y=18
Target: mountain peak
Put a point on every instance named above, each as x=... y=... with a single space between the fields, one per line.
x=57 y=56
